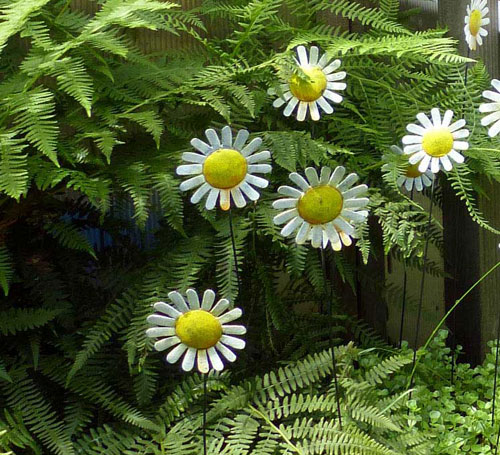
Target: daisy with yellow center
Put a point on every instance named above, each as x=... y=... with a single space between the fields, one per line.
x=314 y=86
x=435 y=142
x=323 y=209
x=198 y=331
x=474 y=22
x=493 y=109
x=412 y=177
x=224 y=169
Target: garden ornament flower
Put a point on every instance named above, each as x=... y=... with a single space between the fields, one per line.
x=197 y=331
x=475 y=19
x=493 y=109
x=323 y=209
x=224 y=169
x=434 y=144
x=314 y=87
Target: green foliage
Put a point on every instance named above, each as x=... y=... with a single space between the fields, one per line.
x=92 y=128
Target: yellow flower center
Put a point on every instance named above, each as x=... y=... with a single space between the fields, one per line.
x=198 y=329
x=225 y=168
x=475 y=22
x=320 y=204
x=437 y=142
x=310 y=88
x=412 y=171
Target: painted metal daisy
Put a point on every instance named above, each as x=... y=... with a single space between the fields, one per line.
x=198 y=331
x=225 y=169
x=435 y=142
x=316 y=87
x=493 y=109
x=475 y=19
x=324 y=209
x=412 y=177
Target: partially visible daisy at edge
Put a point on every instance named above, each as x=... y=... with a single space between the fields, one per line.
x=493 y=109
x=475 y=19
x=434 y=143
x=197 y=331
x=324 y=208
x=412 y=177
x=317 y=91
x=224 y=169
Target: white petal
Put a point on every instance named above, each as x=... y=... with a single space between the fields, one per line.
x=164 y=321
x=238 y=198
x=213 y=139
x=166 y=343
x=355 y=191
x=299 y=181
x=418 y=183
x=194 y=301
x=240 y=140
x=346 y=240
x=260 y=168
x=326 y=172
x=348 y=181
x=201 y=146
x=254 y=180
x=493 y=96
x=288 y=203
x=409 y=149
x=400 y=181
x=323 y=60
x=278 y=102
x=302 y=54
x=457 y=125
x=199 y=193
x=416 y=129
x=424 y=164
x=234 y=329
x=343 y=226
x=227 y=137
x=337 y=175
x=424 y=120
x=489 y=119
x=332 y=66
x=175 y=354
x=489 y=107
x=435 y=165
x=356 y=203
x=290 y=107
x=445 y=161
x=312 y=176
x=203 y=366
x=302 y=111
x=461 y=134
x=215 y=360
x=256 y=157
x=248 y=191
x=291 y=226
x=212 y=199
x=233 y=342
x=460 y=145
x=303 y=233
x=357 y=217
x=336 y=76
x=220 y=307
x=496 y=84
x=208 y=300
x=336 y=98
x=252 y=147
x=494 y=130
x=227 y=353
x=447 y=117
x=332 y=233
x=416 y=157
x=313 y=109
x=156 y=332
x=436 y=117
x=191 y=183
x=409 y=184
x=427 y=178
x=325 y=105
x=316 y=235
x=284 y=217
x=191 y=157
x=189 y=358
x=313 y=55
x=179 y=301
x=232 y=315
x=224 y=201
x=335 y=86
x=457 y=157
x=165 y=308
x=411 y=139
x=289 y=191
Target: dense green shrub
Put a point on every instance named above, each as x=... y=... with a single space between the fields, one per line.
x=88 y=122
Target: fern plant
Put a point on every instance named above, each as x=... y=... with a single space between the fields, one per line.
x=92 y=128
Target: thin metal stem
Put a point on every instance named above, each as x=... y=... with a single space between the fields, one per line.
x=495 y=380
x=235 y=257
x=422 y=282
x=205 y=414
x=405 y=286
x=328 y=294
